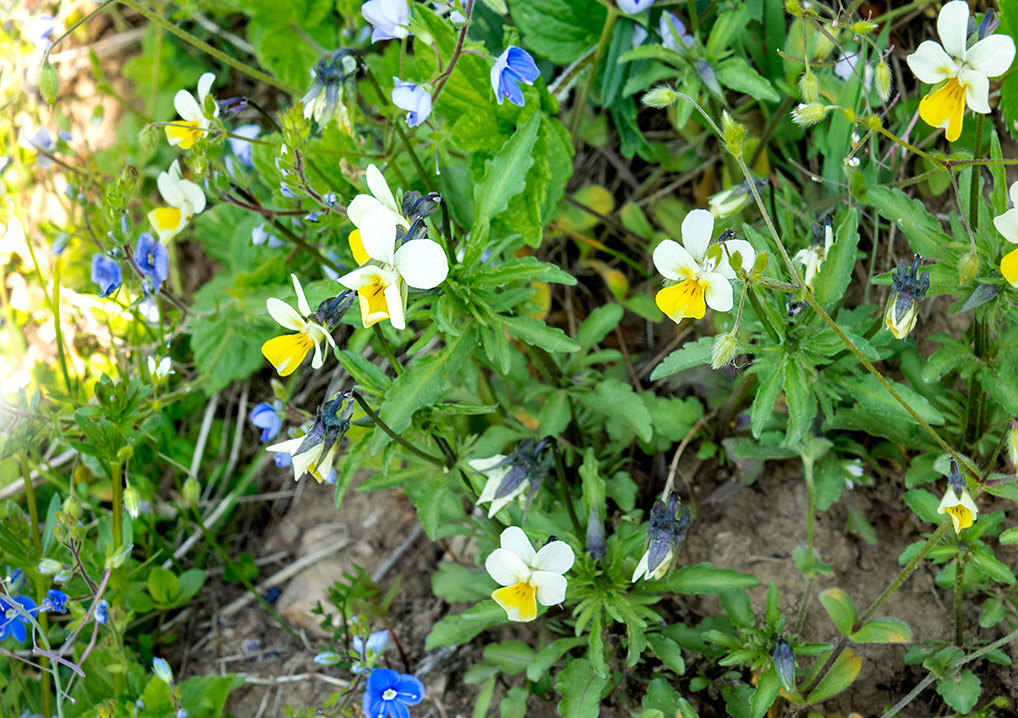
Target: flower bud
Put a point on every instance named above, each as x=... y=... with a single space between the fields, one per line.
x=862 y=27
x=1012 y=443
x=809 y=87
x=907 y=290
x=49 y=84
x=734 y=134
x=968 y=268
x=793 y=8
x=805 y=115
x=784 y=664
x=191 y=490
x=882 y=79
x=595 y=544
x=149 y=137
x=162 y=670
x=125 y=453
x=131 y=502
x=725 y=348
x=118 y=559
x=660 y=97
x=49 y=566
x=72 y=507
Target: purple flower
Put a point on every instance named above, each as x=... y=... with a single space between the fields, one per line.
x=106 y=273
x=55 y=601
x=102 y=612
x=153 y=259
x=266 y=417
x=259 y=237
x=673 y=32
x=511 y=68
x=412 y=98
x=388 y=18
x=241 y=147
x=17 y=624
x=389 y=693
x=631 y=7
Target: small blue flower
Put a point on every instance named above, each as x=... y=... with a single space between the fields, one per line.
x=671 y=26
x=16 y=576
x=181 y=713
x=266 y=417
x=388 y=18
x=40 y=30
x=369 y=649
x=153 y=259
x=55 y=601
x=16 y=624
x=328 y=659
x=102 y=612
x=283 y=460
x=259 y=237
x=162 y=670
x=511 y=68
x=241 y=147
x=330 y=198
x=412 y=98
x=631 y=7
x=286 y=191
x=312 y=216
x=389 y=693
x=106 y=273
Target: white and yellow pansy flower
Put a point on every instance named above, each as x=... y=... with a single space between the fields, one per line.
x=962 y=72
x=962 y=509
x=643 y=567
x=288 y=351
x=380 y=196
x=311 y=460
x=1007 y=225
x=698 y=279
x=495 y=468
x=812 y=257
x=193 y=123
x=186 y=199
x=528 y=577
x=381 y=284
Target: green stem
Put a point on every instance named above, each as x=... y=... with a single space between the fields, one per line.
x=581 y=96
x=973 y=419
x=205 y=47
x=936 y=161
x=800 y=617
x=974 y=179
x=40 y=582
x=396 y=366
x=959 y=572
x=771 y=331
x=807 y=471
x=117 y=482
x=566 y=499
x=72 y=28
x=430 y=458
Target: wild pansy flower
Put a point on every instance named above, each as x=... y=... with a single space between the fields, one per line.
x=288 y=351
x=315 y=451
x=106 y=273
x=812 y=257
x=388 y=19
x=729 y=201
x=12 y=621
x=963 y=72
x=1007 y=225
x=389 y=693
x=673 y=32
x=701 y=278
x=186 y=199
x=183 y=132
x=907 y=290
x=528 y=577
x=412 y=98
x=152 y=259
x=956 y=502
x=511 y=68
x=508 y=477
x=325 y=99
x=369 y=649
x=664 y=538
x=240 y=145
x=631 y=7
x=267 y=417
x=260 y=236
x=55 y=601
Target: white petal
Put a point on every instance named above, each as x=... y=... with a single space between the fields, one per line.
x=301 y=462
x=362 y=276
x=697 y=228
x=674 y=261
x=977 y=90
x=286 y=447
x=1007 y=225
x=641 y=567
x=746 y=253
x=380 y=188
x=193 y=194
x=718 y=294
x=1012 y=193
x=204 y=85
x=186 y=106
x=930 y=63
x=551 y=587
x=302 y=303
x=422 y=263
x=506 y=567
x=483 y=465
x=317 y=360
x=555 y=556
x=14 y=236
x=169 y=188
x=378 y=234
x=513 y=539
x=952 y=26
x=359 y=207
x=992 y=55
x=491 y=486
x=284 y=314
x=394 y=302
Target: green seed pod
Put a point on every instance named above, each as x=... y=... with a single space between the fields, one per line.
x=724 y=350
x=882 y=79
x=49 y=84
x=131 y=501
x=660 y=97
x=192 y=491
x=809 y=87
x=968 y=268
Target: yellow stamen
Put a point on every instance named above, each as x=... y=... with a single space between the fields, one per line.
x=962 y=516
x=519 y=601
x=165 y=218
x=313 y=470
x=685 y=299
x=1009 y=267
x=357 y=247
x=181 y=136
x=287 y=352
x=946 y=104
x=374 y=308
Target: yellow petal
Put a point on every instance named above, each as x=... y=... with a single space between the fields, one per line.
x=685 y=299
x=287 y=352
x=1009 y=267
x=541 y=300
x=165 y=218
x=945 y=107
x=373 y=305
x=519 y=601
x=357 y=247
x=961 y=516
x=183 y=137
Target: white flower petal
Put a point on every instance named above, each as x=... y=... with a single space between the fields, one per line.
x=169 y=188
x=317 y=360
x=284 y=314
x=483 y=465
x=378 y=234
x=506 y=567
x=302 y=302
x=193 y=194
x=977 y=90
x=1012 y=193
x=286 y=447
x=746 y=253
x=380 y=188
x=931 y=64
x=513 y=539
x=697 y=228
x=952 y=26
x=186 y=106
x=674 y=261
x=204 y=85
x=718 y=294
x=394 y=302
x=992 y=55
x=301 y=462
x=1007 y=225
x=551 y=587
x=359 y=207
x=362 y=276
x=641 y=567
x=422 y=263
x=556 y=556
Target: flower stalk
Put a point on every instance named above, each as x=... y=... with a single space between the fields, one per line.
x=40 y=586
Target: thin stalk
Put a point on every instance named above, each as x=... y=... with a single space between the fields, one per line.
x=959 y=572
x=771 y=331
x=443 y=78
x=581 y=96
x=99 y=8
x=40 y=582
x=430 y=458
x=807 y=471
x=118 y=539
x=974 y=179
x=973 y=419
x=396 y=366
x=563 y=487
x=800 y=617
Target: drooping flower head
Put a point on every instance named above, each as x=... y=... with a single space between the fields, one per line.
x=12 y=621
x=673 y=32
x=907 y=290
x=784 y=664
x=288 y=351
x=729 y=201
x=813 y=256
x=412 y=98
x=183 y=132
x=186 y=199
x=511 y=68
x=957 y=502
x=962 y=72
x=509 y=477
x=268 y=418
x=315 y=451
x=699 y=274
x=102 y=612
x=159 y=369
x=106 y=273
x=528 y=577
x=664 y=538
x=388 y=18
x=389 y=693
x=1007 y=225
x=153 y=260
x=325 y=99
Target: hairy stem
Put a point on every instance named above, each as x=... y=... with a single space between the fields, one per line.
x=40 y=581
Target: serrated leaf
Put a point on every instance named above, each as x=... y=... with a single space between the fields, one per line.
x=667 y=651
x=870 y=394
x=618 y=400
x=688 y=355
x=924 y=231
x=536 y=333
x=505 y=175
x=836 y=272
x=961 y=693
x=767 y=688
x=737 y=74
x=560 y=30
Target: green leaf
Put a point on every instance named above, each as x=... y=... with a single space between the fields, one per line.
x=990 y=566
x=597 y=325
x=455 y=582
x=1009 y=88
x=924 y=231
x=453 y=630
x=505 y=175
x=842 y=673
x=924 y=504
x=555 y=415
x=961 y=692
x=581 y=688
x=730 y=24
x=514 y=705
x=1010 y=536
x=509 y=656
x=520 y=270
x=366 y=374
x=618 y=400
x=163 y=585
x=593 y=484
x=800 y=395
x=421 y=384
x=740 y=76
x=188 y=585
x=704 y=578
x=883 y=630
x=871 y=395
x=689 y=355
x=560 y=30
x=841 y=608
x=536 y=333
x=667 y=651
x=484 y=698
x=836 y=272
x=547 y=656
x=766 y=395
x=767 y=688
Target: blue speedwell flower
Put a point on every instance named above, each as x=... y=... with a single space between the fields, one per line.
x=102 y=612
x=266 y=417
x=388 y=18
x=153 y=259
x=13 y=622
x=389 y=693
x=259 y=236
x=55 y=601
x=162 y=670
x=412 y=98
x=369 y=649
x=106 y=273
x=510 y=69
x=631 y=7
x=241 y=147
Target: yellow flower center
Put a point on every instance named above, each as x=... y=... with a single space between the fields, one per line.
x=518 y=600
x=961 y=515
x=944 y=107
x=1009 y=267
x=183 y=133
x=685 y=299
x=374 y=308
x=287 y=352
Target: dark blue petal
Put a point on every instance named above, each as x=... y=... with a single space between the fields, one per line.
x=410 y=690
x=398 y=710
x=509 y=89
x=18 y=630
x=382 y=679
x=522 y=64
x=372 y=704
